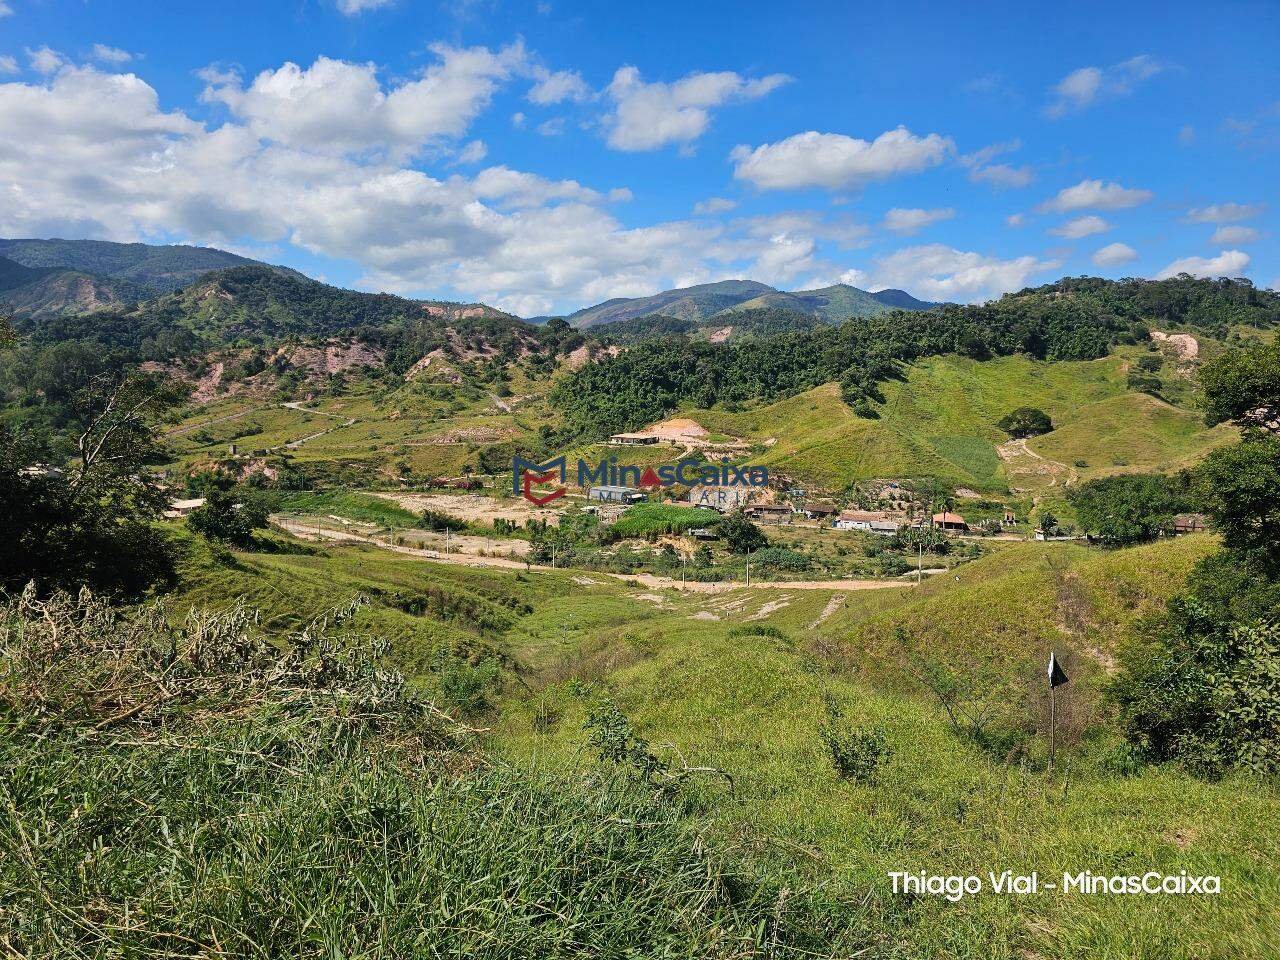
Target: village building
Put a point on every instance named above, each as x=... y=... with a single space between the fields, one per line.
x=769 y=512
x=633 y=439
x=814 y=510
x=184 y=508
x=1185 y=523
x=950 y=522
x=609 y=494
x=869 y=520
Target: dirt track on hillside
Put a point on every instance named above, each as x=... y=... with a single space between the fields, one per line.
x=306 y=531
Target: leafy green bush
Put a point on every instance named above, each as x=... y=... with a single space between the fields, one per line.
x=1025 y=422
x=1205 y=692
x=855 y=755
x=1128 y=509
x=228 y=518
x=780 y=558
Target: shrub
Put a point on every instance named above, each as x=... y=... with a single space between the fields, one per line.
x=1204 y=692
x=1128 y=509
x=1025 y=422
x=780 y=558
x=228 y=518
x=739 y=534
x=855 y=755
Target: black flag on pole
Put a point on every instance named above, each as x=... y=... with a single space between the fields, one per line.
x=1057 y=676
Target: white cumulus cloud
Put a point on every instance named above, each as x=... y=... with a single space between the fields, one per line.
x=909 y=221
x=714 y=205
x=45 y=59
x=1082 y=227
x=835 y=161
x=8 y=64
x=998 y=175
x=938 y=272
x=1224 y=212
x=353 y=8
x=1234 y=235
x=338 y=106
x=646 y=116
x=556 y=87
x=1095 y=195
x=1228 y=263
x=1083 y=87
x=113 y=55
x=92 y=154
x=1114 y=254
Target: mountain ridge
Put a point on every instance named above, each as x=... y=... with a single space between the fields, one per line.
x=707 y=301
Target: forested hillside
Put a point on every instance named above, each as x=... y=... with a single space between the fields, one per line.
x=157 y=269
x=1074 y=319
x=721 y=301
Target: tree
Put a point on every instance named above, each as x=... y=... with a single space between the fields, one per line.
x=1205 y=692
x=1243 y=386
x=228 y=518
x=740 y=534
x=1025 y=422
x=1239 y=488
x=1203 y=689
x=1124 y=510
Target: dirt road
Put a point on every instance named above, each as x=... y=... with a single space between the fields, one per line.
x=311 y=532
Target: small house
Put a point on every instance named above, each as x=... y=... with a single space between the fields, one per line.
x=184 y=508
x=1185 y=523
x=633 y=439
x=818 y=511
x=950 y=522
x=868 y=520
x=769 y=512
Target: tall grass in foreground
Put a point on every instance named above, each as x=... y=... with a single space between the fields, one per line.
x=190 y=789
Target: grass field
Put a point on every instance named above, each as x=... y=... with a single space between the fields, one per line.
x=745 y=681
x=941 y=420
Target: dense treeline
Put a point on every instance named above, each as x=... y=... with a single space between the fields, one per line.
x=1073 y=319
x=1212 y=306
x=644 y=383
x=254 y=305
x=760 y=322
x=1202 y=688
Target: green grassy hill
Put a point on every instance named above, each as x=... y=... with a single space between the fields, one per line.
x=752 y=702
x=744 y=682
x=941 y=420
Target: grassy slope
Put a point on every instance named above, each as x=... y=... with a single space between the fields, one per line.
x=941 y=420
x=753 y=704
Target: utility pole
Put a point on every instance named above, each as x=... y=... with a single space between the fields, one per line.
x=748 y=568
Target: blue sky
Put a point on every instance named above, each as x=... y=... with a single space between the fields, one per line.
x=542 y=156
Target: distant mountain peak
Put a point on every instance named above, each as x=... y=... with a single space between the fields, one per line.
x=723 y=298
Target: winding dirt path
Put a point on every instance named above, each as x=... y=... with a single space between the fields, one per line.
x=307 y=531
